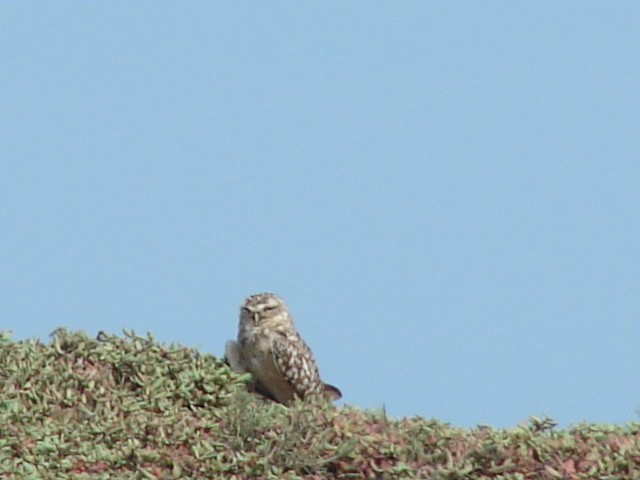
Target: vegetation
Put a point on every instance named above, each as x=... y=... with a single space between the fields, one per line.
x=129 y=407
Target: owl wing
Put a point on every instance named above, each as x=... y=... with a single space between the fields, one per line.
x=233 y=357
x=293 y=358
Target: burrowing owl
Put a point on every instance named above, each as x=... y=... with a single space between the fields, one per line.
x=271 y=349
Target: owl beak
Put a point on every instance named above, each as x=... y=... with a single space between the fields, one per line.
x=252 y=314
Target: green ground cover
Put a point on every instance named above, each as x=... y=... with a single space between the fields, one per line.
x=129 y=407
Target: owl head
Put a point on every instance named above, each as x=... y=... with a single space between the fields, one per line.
x=264 y=308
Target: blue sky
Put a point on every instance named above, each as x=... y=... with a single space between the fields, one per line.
x=446 y=194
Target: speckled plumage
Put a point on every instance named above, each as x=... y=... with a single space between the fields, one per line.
x=271 y=349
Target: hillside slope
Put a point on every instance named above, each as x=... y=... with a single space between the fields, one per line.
x=129 y=407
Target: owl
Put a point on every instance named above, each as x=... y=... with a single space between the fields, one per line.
x=271 y=349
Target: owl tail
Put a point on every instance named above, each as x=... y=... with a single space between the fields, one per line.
x=332 y=393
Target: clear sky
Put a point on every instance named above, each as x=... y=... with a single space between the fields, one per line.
x=447 y=194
